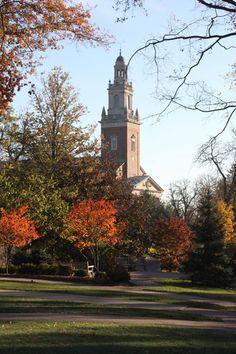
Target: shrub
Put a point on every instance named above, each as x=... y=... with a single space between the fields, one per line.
x=28 y=268
x=44 y=269
x=11 y=269
x=214 y=275
x=48 y=269
x=81 y=273
x=118 y=273
x=22 y=257
x=64 y=270
x=101 y=275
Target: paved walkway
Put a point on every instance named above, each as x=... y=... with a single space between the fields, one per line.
x=226 y=319
x=120 y=301
x=138 y=321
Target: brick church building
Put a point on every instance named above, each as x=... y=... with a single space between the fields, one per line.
x=120 y=130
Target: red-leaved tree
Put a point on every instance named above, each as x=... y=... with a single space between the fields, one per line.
x=92 y=225
x=16 y=230
x=172 y=242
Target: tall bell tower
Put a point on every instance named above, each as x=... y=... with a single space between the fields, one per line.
x=120 y=126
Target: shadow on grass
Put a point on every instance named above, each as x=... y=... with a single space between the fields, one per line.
x=22 y=305
x=104 y=349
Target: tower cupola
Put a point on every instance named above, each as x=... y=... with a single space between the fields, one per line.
x=120 y=70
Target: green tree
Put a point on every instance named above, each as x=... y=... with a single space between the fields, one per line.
x=58 y=134
x=46 y=206
x=140 y=213
x=208 y=261
x=15 y=136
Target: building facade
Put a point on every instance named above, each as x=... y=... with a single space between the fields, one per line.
x=120 y=130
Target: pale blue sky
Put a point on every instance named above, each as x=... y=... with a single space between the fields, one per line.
x=168 y=148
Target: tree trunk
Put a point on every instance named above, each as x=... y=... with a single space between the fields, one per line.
x=7 y=258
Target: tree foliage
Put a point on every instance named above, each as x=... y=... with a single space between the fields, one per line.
x=50 y=162
x=92 y=225
x=47 y=207
x=28 y=27
x=16 y=230
x=171 y=243
x=208 y=261
x=15 y=136
x=57 y=133
x=140 y=213
x=227 y=219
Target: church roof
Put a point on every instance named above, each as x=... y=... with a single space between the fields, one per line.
x=120 y=58
x=136 y=181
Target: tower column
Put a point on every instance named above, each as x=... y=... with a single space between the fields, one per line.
x=120 y=126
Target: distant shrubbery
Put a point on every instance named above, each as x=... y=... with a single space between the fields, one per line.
x=115 y=272
x=43 y=269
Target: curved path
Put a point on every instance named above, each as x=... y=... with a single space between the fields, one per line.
x=229 y=325
x=227 y=319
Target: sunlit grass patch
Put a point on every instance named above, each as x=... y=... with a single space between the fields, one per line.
x=187 y=287
x=84 y=338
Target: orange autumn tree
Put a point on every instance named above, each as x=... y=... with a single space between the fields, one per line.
x=16 y=230
x=92 y=225
x=172 y=242
x=28 y=27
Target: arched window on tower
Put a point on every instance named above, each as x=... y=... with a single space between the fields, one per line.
x=133 y=143
x=113 y=142
x=116 y=101
x=120 y=73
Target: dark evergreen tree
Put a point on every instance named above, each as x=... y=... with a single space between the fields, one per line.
x=208 y=261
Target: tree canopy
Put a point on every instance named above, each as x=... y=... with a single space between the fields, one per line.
x=29 y=27
x=92 y=225
x=16 y=230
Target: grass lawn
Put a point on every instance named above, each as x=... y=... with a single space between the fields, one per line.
x=92 y=338
x=58 y=288
x=97 y=338
x=186 y=287
x=172 y=286
x=28 y=305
